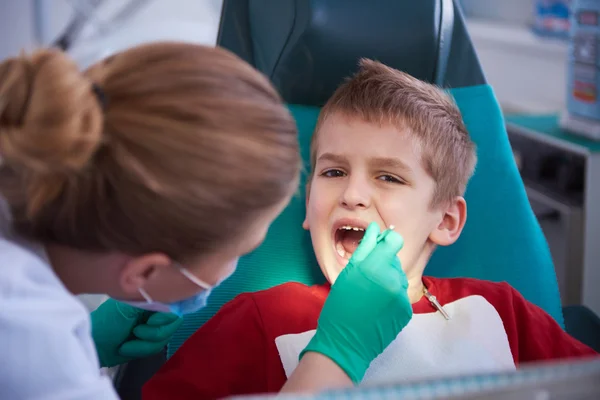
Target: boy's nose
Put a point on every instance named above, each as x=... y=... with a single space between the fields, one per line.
x=356 y=195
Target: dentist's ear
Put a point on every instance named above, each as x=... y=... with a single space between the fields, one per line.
x=452 y=223
x=138 y=270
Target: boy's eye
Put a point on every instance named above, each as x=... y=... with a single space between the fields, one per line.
x=333 y=173
x=390 y=179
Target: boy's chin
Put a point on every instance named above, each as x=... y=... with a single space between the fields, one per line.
x=332 y=271
x=331 y=277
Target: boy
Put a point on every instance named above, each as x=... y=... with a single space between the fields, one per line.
x=392 y=150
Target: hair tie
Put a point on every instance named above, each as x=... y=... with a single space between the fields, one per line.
x=100 y=95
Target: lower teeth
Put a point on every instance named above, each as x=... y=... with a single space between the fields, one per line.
x=342 y=253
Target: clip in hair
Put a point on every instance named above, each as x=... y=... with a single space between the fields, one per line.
x=100 y=95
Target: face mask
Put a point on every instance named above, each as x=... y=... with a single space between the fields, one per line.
x=181 y=307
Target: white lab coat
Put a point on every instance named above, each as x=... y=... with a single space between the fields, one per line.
x=46 y=348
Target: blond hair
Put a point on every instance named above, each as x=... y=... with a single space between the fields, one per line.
x=383 y=95
x=191 y=145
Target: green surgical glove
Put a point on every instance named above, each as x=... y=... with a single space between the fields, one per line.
x=122 y=332
x=367 y=307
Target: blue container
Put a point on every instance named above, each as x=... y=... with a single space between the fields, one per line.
x=552 y=18
x=583 y=77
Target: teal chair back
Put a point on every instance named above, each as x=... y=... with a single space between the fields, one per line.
x=306 y=47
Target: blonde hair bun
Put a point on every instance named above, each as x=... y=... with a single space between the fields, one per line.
x=50 y=124
x=50 y=118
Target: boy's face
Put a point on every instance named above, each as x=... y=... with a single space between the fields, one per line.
x=365 y=173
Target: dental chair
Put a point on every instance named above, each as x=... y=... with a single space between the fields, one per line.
x=306 y=48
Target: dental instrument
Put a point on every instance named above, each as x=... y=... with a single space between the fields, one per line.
x=383 y=234
x=435 y=303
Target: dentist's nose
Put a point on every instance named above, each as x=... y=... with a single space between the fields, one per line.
x=356 y=194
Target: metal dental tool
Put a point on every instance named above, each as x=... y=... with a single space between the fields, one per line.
x=383 y=234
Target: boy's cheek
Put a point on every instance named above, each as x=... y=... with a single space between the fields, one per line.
x=318 y=208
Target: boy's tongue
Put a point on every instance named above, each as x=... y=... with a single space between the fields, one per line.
x=350 y=240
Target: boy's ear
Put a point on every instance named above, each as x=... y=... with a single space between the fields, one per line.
x=452 y=223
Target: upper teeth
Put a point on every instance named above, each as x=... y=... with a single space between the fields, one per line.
x=351 y=228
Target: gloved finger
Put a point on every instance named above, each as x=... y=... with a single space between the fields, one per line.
x=131 y=312
x=156 y=333
x=162 y=318
x=398 y=267
x=367 y=243
x=141 y=348
x=385 y=251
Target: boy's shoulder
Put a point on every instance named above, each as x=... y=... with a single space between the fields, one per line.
x=532 y=333
x=510 y=305
x=501 y=295
x=290 y=290
x=451 y=289
x=278 y=310
x=508 y=302
x=293 y=299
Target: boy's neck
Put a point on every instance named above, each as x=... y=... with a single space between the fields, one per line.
x=414 y=273
x=415 y=289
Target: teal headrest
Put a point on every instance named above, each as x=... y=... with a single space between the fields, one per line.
x=502 y=240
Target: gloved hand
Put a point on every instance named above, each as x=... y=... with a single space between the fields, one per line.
x=122 y=332
x=367 y=307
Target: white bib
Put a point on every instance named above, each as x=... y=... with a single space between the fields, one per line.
x=472 y=341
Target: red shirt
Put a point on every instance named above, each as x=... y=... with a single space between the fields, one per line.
x=235 y=353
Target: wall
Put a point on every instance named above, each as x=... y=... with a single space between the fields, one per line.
x=193 y=20
x=514 y=12
x=16 y=23
x=528 y=73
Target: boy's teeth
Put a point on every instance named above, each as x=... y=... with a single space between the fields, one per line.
x=340 y=250
x=351 y=228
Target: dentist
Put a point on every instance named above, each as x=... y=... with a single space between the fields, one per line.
x=145 y=178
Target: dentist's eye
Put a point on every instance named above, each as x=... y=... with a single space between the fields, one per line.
x=390 y=179
x=333 y=173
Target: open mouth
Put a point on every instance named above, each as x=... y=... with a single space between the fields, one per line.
x=346 y=240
